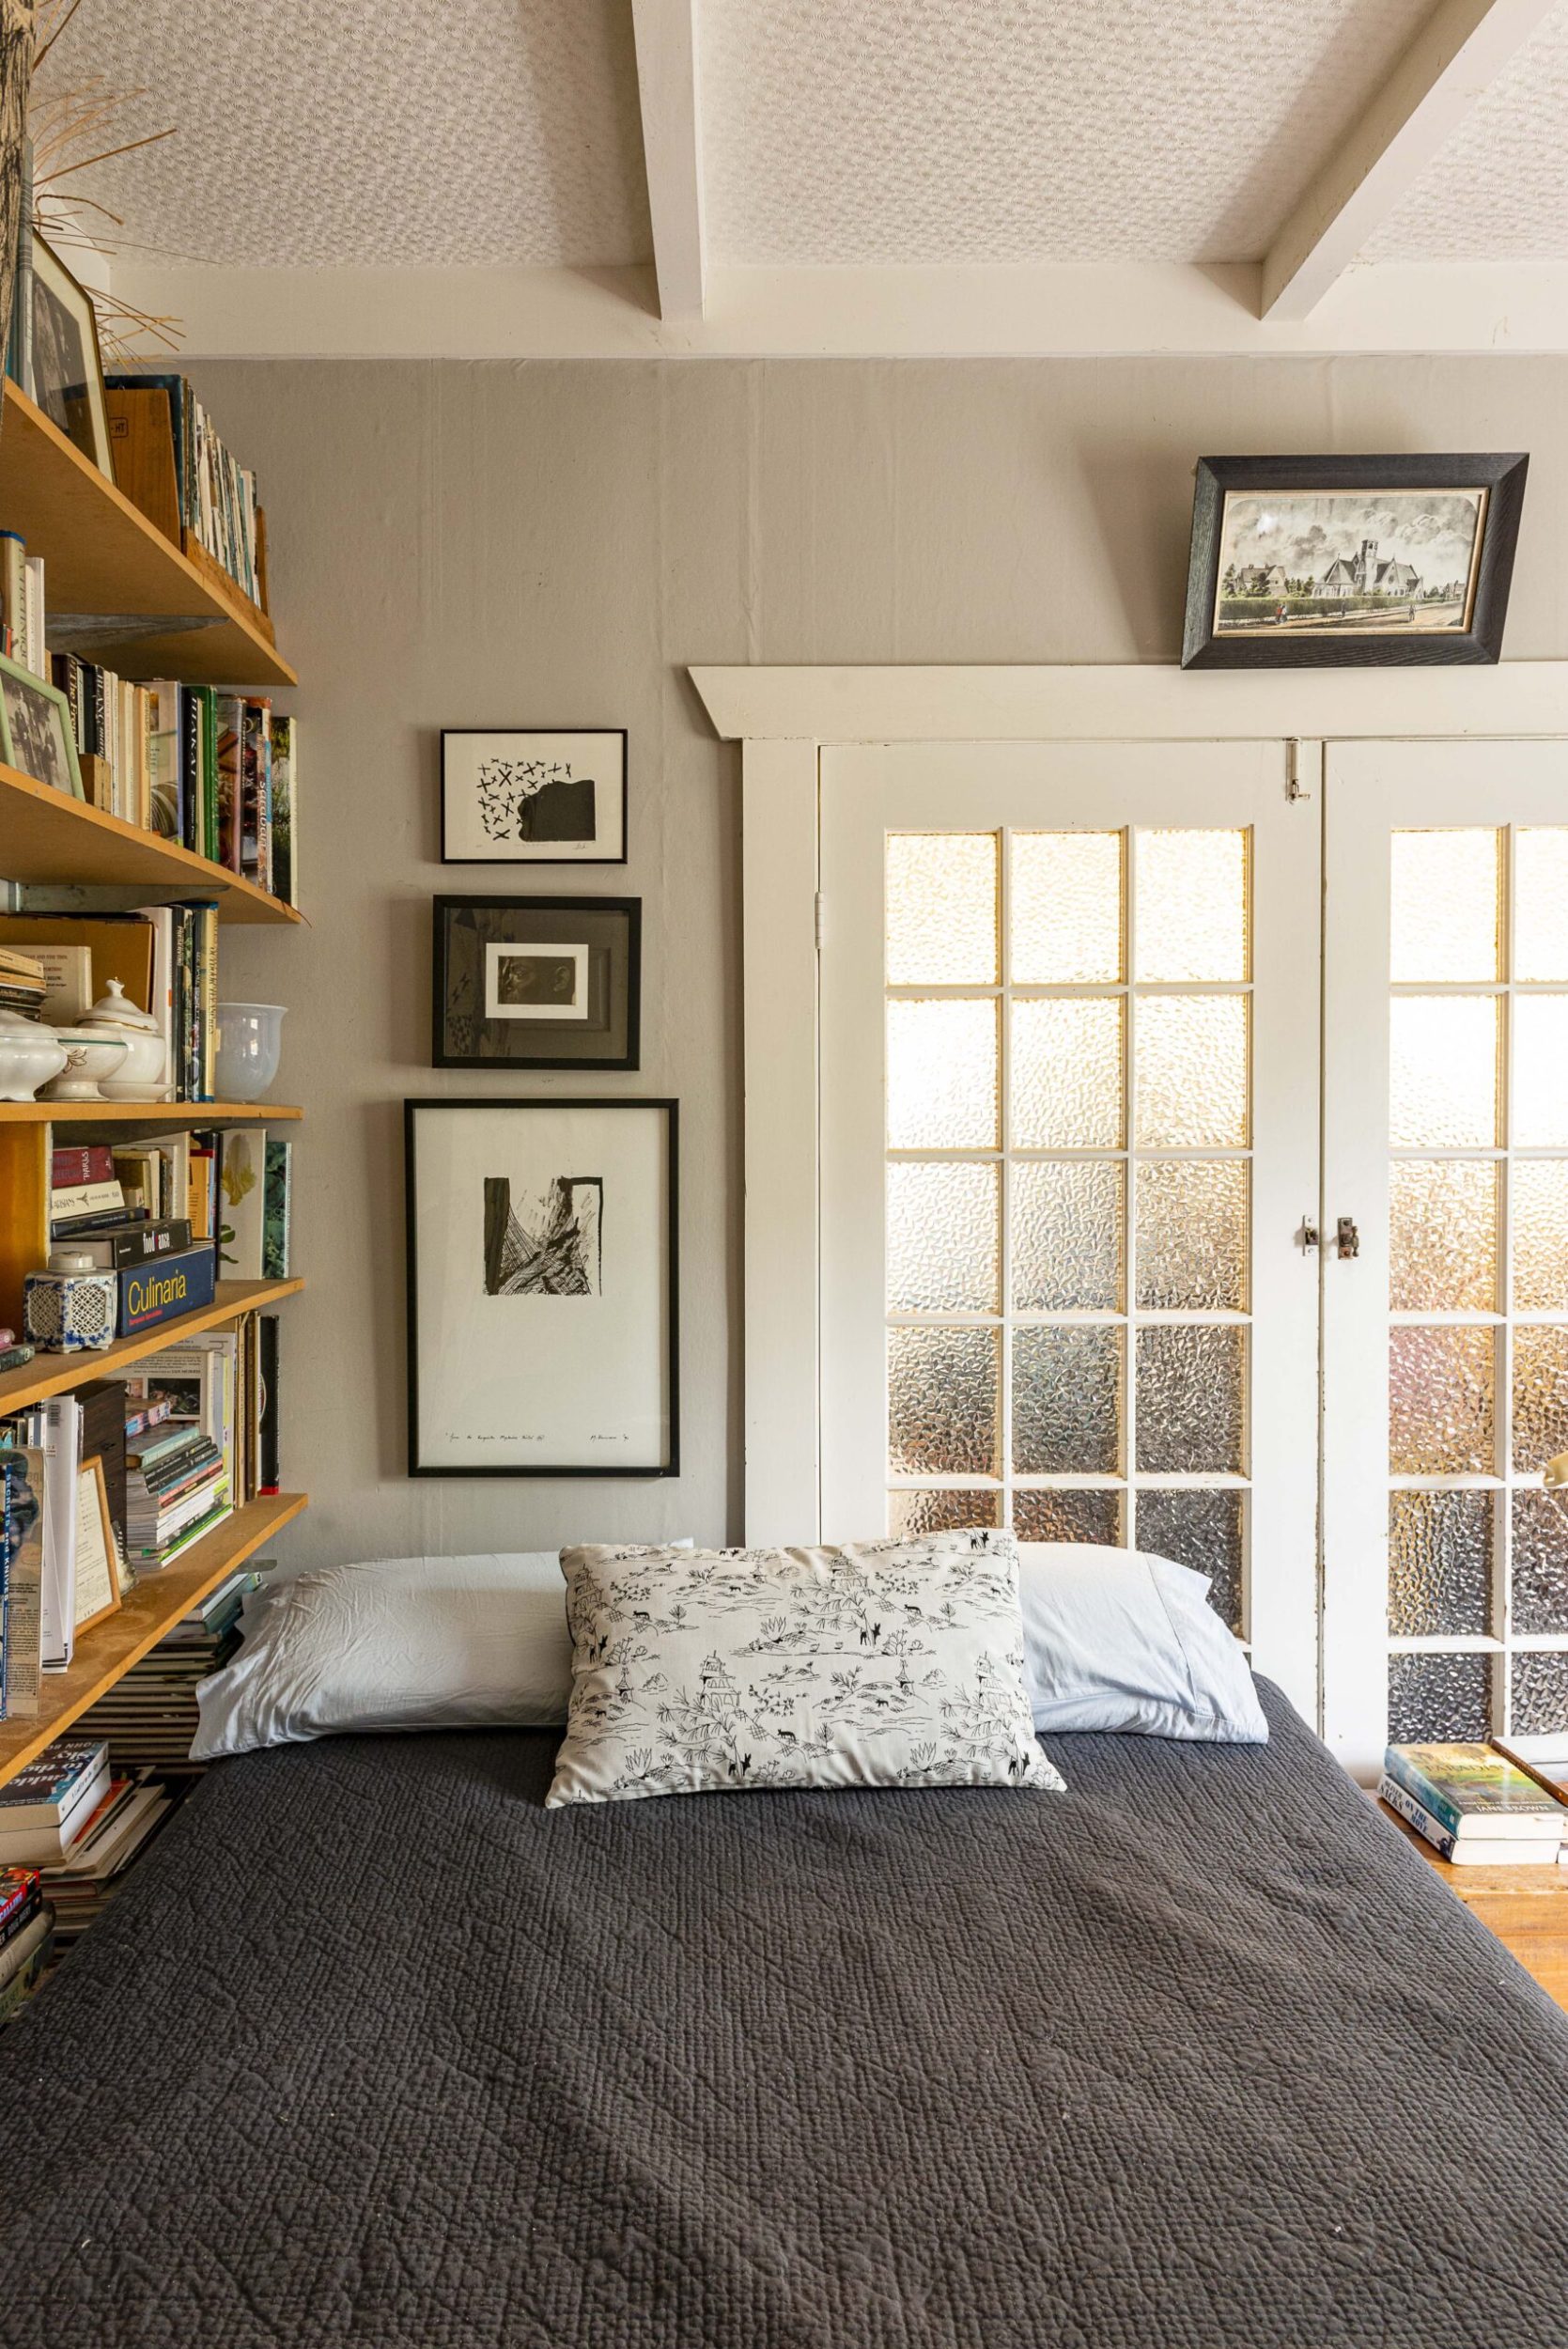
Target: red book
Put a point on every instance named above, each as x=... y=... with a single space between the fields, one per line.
x=92 y=1162
x=18 y=1889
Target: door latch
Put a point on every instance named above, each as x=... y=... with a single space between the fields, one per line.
x=1307 y=1236
x=1348 y=1240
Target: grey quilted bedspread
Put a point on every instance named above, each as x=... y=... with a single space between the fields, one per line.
x=375 y=2050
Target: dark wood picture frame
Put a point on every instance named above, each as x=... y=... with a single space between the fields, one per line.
x=1501 y=476
x=412 y=1109
x=611 y=1063
x=451 y=855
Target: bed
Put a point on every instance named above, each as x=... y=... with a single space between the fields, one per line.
x=374 y=2050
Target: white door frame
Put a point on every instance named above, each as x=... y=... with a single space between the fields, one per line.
x=783 y=717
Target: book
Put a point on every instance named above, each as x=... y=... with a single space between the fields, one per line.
x=22 y=1484
x=1472 y=1790
x=277 y=1184
x=79 y=1203
x=135 y=1243
x=230 y=716
x=284 y=810
x=49 y=1799
x=67 y=973
x=165 y=1288
x=267 y=1472
x=75 y=1164
x=35 y=657
x=24 y=1962
x=21 y=1894
x=1466 y=1851
x=101 y=1404
x=240 y=1233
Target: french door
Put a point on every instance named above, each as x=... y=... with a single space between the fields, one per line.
x=1446 y=1331
x=1069 y=1157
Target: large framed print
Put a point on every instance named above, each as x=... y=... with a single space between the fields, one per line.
x=1351 y=562
x=524 y=795
x=535 y=981
x=542 y=1287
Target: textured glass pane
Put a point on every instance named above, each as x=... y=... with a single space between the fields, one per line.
x=1067 y=1235
x=1440 y=1403
x=1191 y=1240
x=942 y=1240
x=1540 y=894
x=1439 y=1563
x=1541 y=1070
x=1067 y=1074
x=1191 y=1408
x=1067 y=907
x=1539 y=1396
x=943 y=1402
x=1067 y=1401
x=1443 y=1072
x=1201 y=1531
x=948 y=1512
x=1539 y=1695
x=942 y=908
x=1433 y=1698
x=941 y=1075
x=1067 y=1516
x=1444 y=901
x=1540 y=1562
x=1191 y=904
x=1538 y=1189
x=1191 y=1052
x=1443 y=1236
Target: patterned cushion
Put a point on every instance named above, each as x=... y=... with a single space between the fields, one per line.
x=877 y=1664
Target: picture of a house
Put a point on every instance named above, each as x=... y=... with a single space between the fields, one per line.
x=1368 y=574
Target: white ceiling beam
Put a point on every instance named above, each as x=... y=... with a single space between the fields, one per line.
x=672 y=150
x=1460 y=49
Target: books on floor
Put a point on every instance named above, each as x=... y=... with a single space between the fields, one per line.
x=45 y=1804
x=88 y=1874
x=1474 y=1805
x=24 y=1960
x=149 y=1718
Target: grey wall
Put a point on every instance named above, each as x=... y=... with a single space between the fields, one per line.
x=496 y=545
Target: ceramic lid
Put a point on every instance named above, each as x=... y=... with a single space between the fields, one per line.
x=116 y=1010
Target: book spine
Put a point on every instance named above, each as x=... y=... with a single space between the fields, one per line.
x=80 y=1164
x=13 y=593
x=1399 y=1798
x=1419 y=1788
x=174 y=1286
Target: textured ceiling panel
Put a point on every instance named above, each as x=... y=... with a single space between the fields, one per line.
x=929 y=130
x=372 y=132
x=1498 y=190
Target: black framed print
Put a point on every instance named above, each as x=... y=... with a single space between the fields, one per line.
x=1350 y=562
x=536 y=982
x=533 y=796
x=542 y=1287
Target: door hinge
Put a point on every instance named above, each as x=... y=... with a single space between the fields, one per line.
x=818 y=916
x=1294 y=787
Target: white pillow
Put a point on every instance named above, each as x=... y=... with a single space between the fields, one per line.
x=394 y=1643
x=1117 y=1639
x=891 y=1663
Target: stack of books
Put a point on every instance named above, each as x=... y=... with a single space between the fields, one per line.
x=92 y=1868
x=177 y=1489
x=23 y=985
x=149 y=1718
x=22 y=604
x=47 y=1804
x=1474 y=1805
x=101 y=1206
x=212 y=497
x=26 y=1937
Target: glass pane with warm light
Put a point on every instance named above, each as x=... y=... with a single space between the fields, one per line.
x=1067 y=900
x=1541 y=1072
x=942 y=1085
x=1443 y=1236
x=1540 y=902
x=943 y=1244
x=1442 y=1415
x=1067 y=1085
x=1067 y=1235
x=942 y=908
x=1539 y=1190
x=1192 y=1061
x=1443 y=1072
x=1445 y=905
x=1191 y=1234
x=944 y=1402
x=1192 y=906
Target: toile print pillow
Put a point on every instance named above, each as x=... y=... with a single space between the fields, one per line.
x=893 y=1663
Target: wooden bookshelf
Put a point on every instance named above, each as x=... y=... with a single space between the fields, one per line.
x=45 y=836
x=104 y=1656
x=103 y=556
x=55 y=1374
x=157 y=1117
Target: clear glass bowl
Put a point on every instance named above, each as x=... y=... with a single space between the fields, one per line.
x=250 y=1036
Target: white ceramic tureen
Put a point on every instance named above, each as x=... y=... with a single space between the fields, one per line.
x=91 y=1054
x=140 y=1074
x=30 y=1054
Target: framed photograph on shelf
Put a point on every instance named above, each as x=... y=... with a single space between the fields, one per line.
x=542 y=1287
x=63 y=362
x=35 y=729
x=536 y=982
x=1348 y=562
x=97 y=1588
x=533 y=798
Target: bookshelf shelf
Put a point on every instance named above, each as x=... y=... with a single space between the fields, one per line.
x=55 y=1374
x=46 y=837
x=154 y=1116
x=154 y=1607
x=103 y=556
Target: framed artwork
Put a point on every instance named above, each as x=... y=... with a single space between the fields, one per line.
x=542 y=1287
x=533 y=798
x=536 y=982
x=97 y=1552
x=1345 y=562
x=35 y=729
x=63 y=362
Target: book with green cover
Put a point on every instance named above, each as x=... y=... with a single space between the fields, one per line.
x=1474 y=1789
